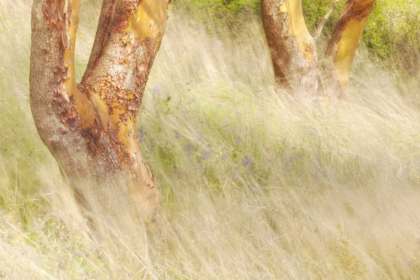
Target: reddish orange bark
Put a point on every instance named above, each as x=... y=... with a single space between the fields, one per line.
x=90 y=127
x=293 y=50
x=345 y=40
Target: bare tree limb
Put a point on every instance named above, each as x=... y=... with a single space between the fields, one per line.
x=325 y=19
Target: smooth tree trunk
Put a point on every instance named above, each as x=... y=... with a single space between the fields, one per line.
x=344 y=42
x=90 y=128
x=292 y=48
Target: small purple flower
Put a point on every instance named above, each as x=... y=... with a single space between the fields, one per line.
x=247 y=161
x=206 y=154
x=238 y=142
x=177 y=136
x=156 y=89
x=189 y=148
x=293 y=157
x=409 y=262
x=142 y=134
x=314 y=132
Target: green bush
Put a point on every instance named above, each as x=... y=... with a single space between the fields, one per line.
x=392 y=33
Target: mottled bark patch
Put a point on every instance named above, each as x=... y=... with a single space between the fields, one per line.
x=292 y=49
x=70 y=118
x=53 y=11
x=91 y=128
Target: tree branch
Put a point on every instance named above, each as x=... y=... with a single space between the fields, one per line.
x=52 y=69
x=128 y=37
x=322 y=23
x=102 y=33
x=125 y=48
x=344 y=42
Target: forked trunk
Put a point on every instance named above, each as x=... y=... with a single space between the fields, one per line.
x=90 y=128
x=292 y=48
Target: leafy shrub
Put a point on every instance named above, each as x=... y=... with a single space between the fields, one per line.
x=392 y=33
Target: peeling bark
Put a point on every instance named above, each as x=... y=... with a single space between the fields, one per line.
x=343 y=44
x=293 y=50
x=90 y=128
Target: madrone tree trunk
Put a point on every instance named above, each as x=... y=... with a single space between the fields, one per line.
x=343 y=44
x=293 y=50
x=90 y=128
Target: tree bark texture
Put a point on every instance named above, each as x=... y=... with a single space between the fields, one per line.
x=344 y=42
x=90 y=128
x=292 y=48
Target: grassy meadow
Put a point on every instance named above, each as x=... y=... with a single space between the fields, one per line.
x=254 y=183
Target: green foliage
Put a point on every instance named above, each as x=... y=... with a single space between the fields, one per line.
x=254 y=184
x=221 y=12
x=315 y=10
x=392 y=33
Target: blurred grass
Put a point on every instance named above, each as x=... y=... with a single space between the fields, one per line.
x=392 y=33
x=255 y=184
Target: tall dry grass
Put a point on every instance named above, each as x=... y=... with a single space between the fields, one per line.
x=255 y=184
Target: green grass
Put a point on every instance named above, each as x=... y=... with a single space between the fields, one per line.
x=392 y=33
x=255 y=184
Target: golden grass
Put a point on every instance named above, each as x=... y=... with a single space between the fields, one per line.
x=255 y=184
